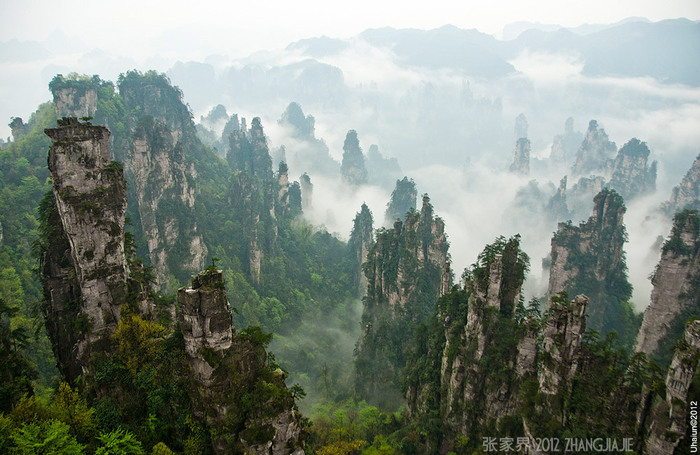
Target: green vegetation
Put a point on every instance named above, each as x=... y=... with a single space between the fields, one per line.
x=285 y=277
x=404 y=272
x=602 y=269
x=403 y=200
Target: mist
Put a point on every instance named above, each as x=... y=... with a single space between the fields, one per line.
x=451 y=131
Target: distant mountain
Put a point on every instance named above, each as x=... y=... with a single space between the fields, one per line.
x=319 y=47
x=667 y=51
x=634 y=47
x=473 y=52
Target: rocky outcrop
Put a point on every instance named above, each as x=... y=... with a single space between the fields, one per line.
x=381 y=171
x=249 y=152
x=403 y=200
x=307 y=192
x=521 y=157
x=18 y=128
x=228 y=367
x=404 y=274
x=632 y=175
x=492 y=290
x=74 y=98
x=588 y=259
x=308 y=153
x=564 y=146
x=557 y=206
x=165 y=198
x=562 y=334
x=521 y=127
x=352 y=169
x=90 y=196
x=668 y=419
x=282 y=205
x=675 y=295
x=361 y=241
x=594 y=153
x=205 y=321
x=154 y=133
x=687 y=194
x=302 y=126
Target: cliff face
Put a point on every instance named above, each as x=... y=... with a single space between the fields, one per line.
x=352 y=169
x=595 y=151
x=562 y=335
x=102 y=321
x=249 y=153
x=155 y=131
x=492 y=292
x=500 y=364
x=228 y=369
x=165 y=197
x=564 y=146
x=687 y=194
x=361 y=241
x=588 y=259
x=404 y=274
x=90 y=197
x=403 y=200
x=307 y=192
x=521 y=157
x=74 y=99
x=308 y=153
x=632 y=175
x=675 y=295
x=668 y=418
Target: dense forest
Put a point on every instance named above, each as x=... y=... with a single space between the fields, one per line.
x=215 y=317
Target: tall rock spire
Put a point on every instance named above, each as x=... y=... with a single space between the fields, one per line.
x=90 y=197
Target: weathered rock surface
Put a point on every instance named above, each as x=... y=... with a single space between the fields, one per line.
x=521 y=157
x=563 y=331
x=249 y=152
x=307 y=192
x=160 y=176
x=632 y=175
x=361 y=241
x=594 y=153
x=588 y=259
x=669 y=417
x=687 y=194
x=226 y=365
x=564 y=146
x=403 y=200
x=152 y=143
x=74 y=99
x=675 y=295
x=353 y=169
x=404 y=274
x=90 y=195
x=205 y=320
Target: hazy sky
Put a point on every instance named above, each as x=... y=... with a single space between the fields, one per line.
x=141 y=27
